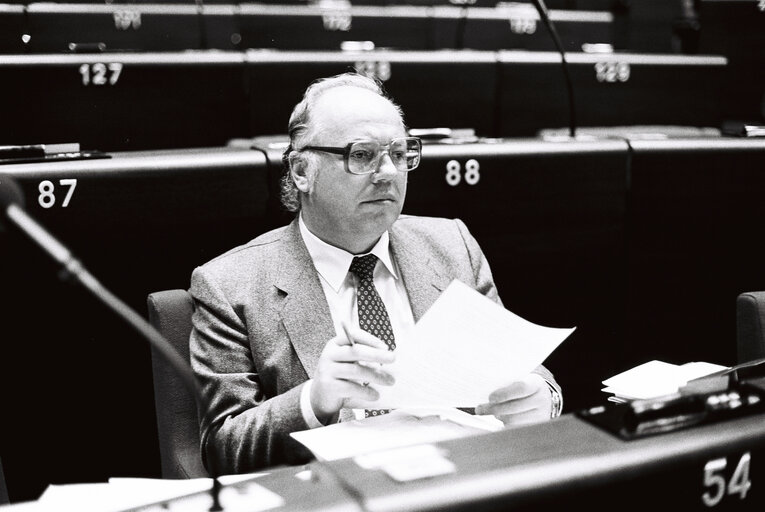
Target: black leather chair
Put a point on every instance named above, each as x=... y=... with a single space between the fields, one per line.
x=3 y=489
x=177 y=423
x=750 y=322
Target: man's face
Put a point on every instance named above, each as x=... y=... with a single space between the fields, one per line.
x=347 y=210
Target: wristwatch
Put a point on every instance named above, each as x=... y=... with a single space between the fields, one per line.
x=557 y=402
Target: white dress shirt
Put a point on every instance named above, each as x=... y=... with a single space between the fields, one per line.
x=339 y=287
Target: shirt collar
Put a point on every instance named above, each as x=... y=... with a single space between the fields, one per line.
x=332 y=263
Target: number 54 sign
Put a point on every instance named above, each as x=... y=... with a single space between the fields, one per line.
x=715 y=484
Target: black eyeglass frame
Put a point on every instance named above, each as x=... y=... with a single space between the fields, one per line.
x=346 y=152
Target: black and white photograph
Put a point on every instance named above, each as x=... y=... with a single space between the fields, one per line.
x=382 y=255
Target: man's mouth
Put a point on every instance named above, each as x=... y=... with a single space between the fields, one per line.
x=381 y=199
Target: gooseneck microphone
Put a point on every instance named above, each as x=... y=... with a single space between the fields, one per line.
x=12 y=209
x=545 y=15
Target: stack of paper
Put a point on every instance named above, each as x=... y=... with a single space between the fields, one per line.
x=655 y=378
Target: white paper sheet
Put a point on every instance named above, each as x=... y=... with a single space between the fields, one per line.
x=123 y=493
x=462 y=349
x=402 y=427
x=656 y=378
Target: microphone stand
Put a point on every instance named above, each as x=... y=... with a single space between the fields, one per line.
x=545 y=15
x=73 y=270
x=157 y=341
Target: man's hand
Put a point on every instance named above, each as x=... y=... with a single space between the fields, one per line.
x=347 y=371
x=525 y=401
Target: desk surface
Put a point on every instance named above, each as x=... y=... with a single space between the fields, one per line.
x=565 y=457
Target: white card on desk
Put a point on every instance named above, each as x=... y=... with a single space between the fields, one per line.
x=462 y=349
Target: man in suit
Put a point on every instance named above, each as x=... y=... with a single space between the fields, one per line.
x=284 y=339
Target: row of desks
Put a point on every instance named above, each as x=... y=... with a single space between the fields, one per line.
x=642 y=244
x=564 y=464
x=656 y=26
x=54 y=27
x=130 y=101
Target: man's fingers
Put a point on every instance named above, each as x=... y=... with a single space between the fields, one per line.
x=353 y=391
x=518 y=390
x=365 y=353
x=362 y=373
x=360 y=337
x=513 y=407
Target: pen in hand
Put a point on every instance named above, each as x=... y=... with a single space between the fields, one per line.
x=350 y=340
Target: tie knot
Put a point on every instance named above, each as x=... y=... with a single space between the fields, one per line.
x=364 y=266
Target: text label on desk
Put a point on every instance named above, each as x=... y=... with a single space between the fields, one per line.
x=523 y=25
x=612 y=72
x=337 y=21
x=96 y=74
x=472 y=172
x=714 y=480
x=127 y=18
x=47 y=198
x=372 y=69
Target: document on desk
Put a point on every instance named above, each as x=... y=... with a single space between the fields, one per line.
x=121 y=494
x=398 y=429
x=462 y=349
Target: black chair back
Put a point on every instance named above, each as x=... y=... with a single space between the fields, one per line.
x=177 y=422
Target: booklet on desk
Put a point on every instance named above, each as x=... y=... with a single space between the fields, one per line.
x=655 y=378
x=462 y=349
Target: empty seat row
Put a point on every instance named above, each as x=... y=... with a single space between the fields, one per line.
x=655 y=26
x=53 y=27
x=130 y=101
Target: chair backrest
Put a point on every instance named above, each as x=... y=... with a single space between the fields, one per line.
x=750 y=320
x=3 y=489
x=177 y=422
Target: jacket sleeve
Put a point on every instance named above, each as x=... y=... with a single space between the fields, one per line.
x=485 y=284
x=243 y=430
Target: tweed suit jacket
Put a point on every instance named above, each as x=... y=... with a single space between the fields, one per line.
x=261 y=322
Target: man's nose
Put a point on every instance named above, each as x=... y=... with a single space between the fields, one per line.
x=386 y=171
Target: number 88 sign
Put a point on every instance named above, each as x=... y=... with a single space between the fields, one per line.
x=454 y=173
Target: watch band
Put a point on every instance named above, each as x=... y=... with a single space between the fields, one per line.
x=557 y=402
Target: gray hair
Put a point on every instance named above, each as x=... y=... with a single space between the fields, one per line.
x=300 y=122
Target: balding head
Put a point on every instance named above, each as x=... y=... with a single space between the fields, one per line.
x=306 y=122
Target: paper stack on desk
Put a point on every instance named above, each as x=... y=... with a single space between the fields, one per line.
x=655 y=378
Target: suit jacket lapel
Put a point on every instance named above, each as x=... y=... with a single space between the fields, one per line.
x=424 y=276
x=304 y=312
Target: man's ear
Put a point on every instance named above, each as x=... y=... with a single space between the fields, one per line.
x=301 y=172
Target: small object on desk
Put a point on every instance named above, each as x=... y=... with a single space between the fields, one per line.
x=741 y=129
x=35 y=153
x=656 y=378
x=685 y=408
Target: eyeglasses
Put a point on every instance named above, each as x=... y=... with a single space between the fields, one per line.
x=363 y=157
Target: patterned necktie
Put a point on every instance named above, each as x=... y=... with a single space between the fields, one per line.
x=373 y=317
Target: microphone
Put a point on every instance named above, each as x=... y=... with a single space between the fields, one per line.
x=545 y=15
x=12 y=209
